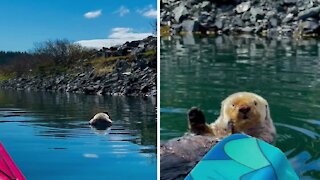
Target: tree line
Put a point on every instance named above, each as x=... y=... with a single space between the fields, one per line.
x=47 y=55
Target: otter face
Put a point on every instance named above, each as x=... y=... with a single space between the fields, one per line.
x=245 y=111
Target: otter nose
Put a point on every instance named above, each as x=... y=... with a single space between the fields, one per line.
x=244 y=109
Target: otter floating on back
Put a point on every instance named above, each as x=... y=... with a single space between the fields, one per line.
x=101 y=121
x=241 y=112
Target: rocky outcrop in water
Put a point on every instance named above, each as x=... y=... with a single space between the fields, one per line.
x=267 y=17
x=133 y=73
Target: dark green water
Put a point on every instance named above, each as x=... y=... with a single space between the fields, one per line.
x=203 y=71
x=48 y=137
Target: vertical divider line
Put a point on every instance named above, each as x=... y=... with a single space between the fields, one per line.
x=158 y=89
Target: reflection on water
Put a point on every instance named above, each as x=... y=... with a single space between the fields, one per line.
x=48 y=135
x=203 y=71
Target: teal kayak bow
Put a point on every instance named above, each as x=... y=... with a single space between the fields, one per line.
x=243 y=157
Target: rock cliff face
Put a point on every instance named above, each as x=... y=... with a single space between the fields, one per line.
x=132 y=72
x=267 y=17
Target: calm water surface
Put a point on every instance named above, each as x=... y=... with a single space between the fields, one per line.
x=203 y=71
x=48 y=137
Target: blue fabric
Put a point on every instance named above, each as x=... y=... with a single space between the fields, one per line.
x=263 y=173
x=218 y=152
x=243 y=157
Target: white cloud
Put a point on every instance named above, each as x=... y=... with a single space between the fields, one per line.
x=123 y=11
x=149 y=12
x=127 y=33
x=118 y=36
x=93 y=14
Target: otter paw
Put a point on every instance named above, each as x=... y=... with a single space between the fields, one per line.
x=196 y=116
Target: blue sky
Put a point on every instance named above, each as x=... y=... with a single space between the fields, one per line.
x=24 y=22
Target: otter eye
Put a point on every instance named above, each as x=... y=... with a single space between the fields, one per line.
x=232 y=105
x=255 y=103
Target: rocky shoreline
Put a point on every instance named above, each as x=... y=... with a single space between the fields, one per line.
x=135 y=75
x=267 y=17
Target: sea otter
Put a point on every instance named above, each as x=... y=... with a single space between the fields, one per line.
x=241 y=112
x=247 y=113
x=101 y=121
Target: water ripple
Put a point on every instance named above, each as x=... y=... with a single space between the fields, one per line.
x=306 y=132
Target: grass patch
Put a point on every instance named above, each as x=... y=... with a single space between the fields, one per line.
x=109 y=60
x=103 y=70
x=150 y=53
x=4 y=77
x=104 y=66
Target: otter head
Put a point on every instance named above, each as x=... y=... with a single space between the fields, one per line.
x=244 y=111
x=101 y=121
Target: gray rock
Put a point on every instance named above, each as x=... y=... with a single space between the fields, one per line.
x=246 y=29
x=218 y=24
x=309 y=13
x=190 y=26
x=270 y=14
x=204 y=17
x=176 y=28
x=133 y=44
x=256 y=14
x=258 y=29
x=81 y=75
x=122 y=65
x=180 y=13
x=237 y=21
x=246 y=16
x=288 y=18
x=243 y=7
x=310 y=26
x=97 y=87
x=59 y=80
x=293 y=10
x=206 y=5
x=274 y=22
x=289 y=1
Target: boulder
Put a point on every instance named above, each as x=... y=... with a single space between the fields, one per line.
x=190 y=26
x=218 y=24
x=180 y=13
x=206 y=6
x=291 y=2
x=309 y=13
x=288 y=18
x=274 y=22
x=243 y=7
x=310 y=27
